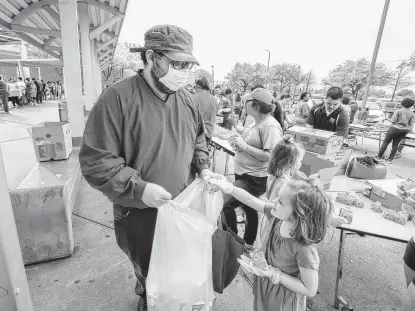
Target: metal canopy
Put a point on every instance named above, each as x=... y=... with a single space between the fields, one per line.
x=31 y=62
x=38 y=23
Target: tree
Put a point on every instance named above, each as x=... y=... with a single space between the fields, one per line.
x=401 y=78
x=122 y=59
x=246 y=76
x=406 y=93
x=281 y=75
x=352 y=75
x=203 y=73
x=412 y=60
x=310 y=79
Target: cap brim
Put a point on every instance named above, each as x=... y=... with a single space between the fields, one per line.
x=181 y=56
x=247 y=97
x=174 y=55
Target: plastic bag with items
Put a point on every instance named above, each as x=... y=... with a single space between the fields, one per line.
x=180 y=272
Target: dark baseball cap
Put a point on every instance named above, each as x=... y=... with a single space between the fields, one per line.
x=175 y=42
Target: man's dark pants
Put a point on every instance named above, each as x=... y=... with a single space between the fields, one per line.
x=134 y=230
x=256 y=186
x=39 y=98
x=5 y=100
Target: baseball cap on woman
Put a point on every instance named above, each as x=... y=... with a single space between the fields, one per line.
x=175 y=42
x=259 y=94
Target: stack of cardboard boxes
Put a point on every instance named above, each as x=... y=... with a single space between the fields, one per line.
x=324 y=155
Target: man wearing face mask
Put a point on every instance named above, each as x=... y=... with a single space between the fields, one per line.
x=144 y=142
x=330 y=116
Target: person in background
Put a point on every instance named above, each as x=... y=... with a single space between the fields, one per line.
x=53 y=90
x=13 y=93
x=253 y=152
x=207 y=106
x=217 y=92
x=38 y=89
x=190 y=88
x=345 y=105
x=402 y=123
x=58 y=90
x=22 y=87
x=237 y=107
x=302 y=109
x=330 y=116
x=28 y=94
x=354 y=107
x=43 y=84
x=307 y=99
x=228 y=95
x=144 y=143
x=4 y=95
x=279 y=113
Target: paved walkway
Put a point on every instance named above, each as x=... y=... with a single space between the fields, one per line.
x=99 y=277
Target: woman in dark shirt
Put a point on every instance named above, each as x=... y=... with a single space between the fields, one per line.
x=402 y=123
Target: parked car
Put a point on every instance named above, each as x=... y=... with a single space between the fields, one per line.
x=390 y=107
x=376 y=115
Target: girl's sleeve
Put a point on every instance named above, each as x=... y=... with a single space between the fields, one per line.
x=307 y=257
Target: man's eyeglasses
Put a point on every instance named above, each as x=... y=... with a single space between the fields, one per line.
x=178 y=64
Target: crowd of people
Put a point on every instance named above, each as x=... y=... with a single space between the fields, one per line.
x=30 y=91
x=146 y=140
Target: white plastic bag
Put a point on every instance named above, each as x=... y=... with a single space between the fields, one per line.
x=180 y=272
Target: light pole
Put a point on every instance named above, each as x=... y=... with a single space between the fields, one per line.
x=213 y=77
x=269 y=56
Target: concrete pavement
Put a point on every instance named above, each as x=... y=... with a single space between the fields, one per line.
x=99 y=276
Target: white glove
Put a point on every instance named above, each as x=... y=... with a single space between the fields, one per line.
x=222 y=184
x=155 y=195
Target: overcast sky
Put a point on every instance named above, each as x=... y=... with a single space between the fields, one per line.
x=317 y=34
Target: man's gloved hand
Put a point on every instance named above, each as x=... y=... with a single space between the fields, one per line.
x=155 y=195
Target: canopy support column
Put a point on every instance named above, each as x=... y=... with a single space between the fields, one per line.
x=72 y=72
x=86 y=55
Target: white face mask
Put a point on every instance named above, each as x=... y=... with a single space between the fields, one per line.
x=175 y=78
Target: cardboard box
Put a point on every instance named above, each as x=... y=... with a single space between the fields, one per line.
x=52 y=141
x=318 y=161
x=326 y=174
x=385 y=192
x=319 y=141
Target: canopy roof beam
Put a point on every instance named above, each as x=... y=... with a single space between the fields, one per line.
x=31 y=9
x=97 y=31
x=35 y=31
x=103 y=6
x=27 y=38
x=53 y=14
x=106 y=44
x=50 y=41
x=52 y=48
x=104 y=55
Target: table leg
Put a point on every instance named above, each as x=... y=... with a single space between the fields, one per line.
x=339 y=269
